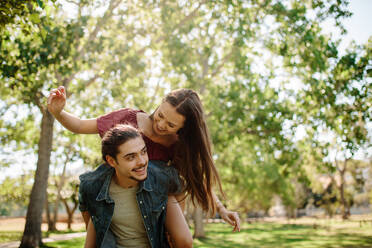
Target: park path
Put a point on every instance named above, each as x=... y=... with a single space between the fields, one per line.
x=51 y=238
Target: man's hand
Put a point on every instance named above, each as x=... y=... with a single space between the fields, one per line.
x=57 y=100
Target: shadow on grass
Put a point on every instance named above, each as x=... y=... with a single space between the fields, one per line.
x=71 y=243
x=210 y=242
x=283 y=235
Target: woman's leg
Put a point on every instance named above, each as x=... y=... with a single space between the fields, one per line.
x=176 y=224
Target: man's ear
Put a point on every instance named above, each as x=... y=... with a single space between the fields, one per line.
x=111 y=161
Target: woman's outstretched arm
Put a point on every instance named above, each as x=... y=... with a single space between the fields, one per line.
x=176 y=225
x=56 y=103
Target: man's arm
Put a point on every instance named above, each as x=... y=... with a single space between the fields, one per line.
x=86 y=217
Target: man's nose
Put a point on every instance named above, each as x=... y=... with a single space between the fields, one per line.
x=143 y=159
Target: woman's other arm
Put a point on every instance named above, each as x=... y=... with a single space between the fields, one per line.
x=56 y=103
x=229 y=216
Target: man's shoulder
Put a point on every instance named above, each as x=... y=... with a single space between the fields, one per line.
x=96 y=176
x=160 y=169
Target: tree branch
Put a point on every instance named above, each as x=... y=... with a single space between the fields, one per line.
x=224 y=60
x=92 y=36
x=180 y=24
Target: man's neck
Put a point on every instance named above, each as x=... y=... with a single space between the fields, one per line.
x=124 y=182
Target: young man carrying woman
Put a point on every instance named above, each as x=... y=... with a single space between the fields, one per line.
x=175 y=132
x=123 y=200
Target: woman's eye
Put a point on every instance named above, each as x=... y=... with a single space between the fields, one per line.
x=160 y=115
x=171 y=125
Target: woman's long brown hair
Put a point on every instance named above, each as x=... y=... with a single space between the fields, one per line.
x=193 y=152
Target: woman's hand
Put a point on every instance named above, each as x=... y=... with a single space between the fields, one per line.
x=230 y=217
x=57 y=100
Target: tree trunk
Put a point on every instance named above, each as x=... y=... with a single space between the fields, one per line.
x=32 y=232
x=48 y=217
x=59 y=186
x=70 y=213
x=342 y=192
x=53 y=226
x=198 y=222
x=69 y=221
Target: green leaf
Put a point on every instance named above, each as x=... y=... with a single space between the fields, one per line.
x=35 y=18
x=43 y=33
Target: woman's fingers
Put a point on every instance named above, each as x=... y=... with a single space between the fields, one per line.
x=52 y=94
x=237 y=222
x=232 y=218
x=61 y=91
x=58 y=94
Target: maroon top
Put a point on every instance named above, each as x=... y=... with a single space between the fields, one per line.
x=155 y=151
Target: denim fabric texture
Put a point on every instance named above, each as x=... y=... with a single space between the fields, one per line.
x=152 y=197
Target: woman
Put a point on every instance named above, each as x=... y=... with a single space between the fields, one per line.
x=176 y=131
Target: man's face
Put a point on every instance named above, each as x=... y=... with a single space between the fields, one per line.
x=131 y=162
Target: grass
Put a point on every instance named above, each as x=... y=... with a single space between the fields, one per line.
x=9 y=236
x=285 y=235
x=72 y=243
x=295 y=233
x=321 y=233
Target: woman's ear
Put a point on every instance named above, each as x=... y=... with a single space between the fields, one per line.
x=111 y=161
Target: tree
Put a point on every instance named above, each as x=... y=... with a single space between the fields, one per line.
x=343 y=93
x=15 y=11
x=70 y=194
x=34 y=64
x=14 y=193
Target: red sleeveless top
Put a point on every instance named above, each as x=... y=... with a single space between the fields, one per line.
x=155 y=151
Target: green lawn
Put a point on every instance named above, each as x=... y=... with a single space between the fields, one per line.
x=8 y=236
x=296 y=233
x=322 y=234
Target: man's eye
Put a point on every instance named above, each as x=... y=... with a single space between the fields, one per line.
x=144 y=152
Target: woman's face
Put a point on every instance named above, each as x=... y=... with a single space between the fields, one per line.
x=167 y=120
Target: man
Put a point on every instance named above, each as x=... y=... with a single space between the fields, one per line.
x=125 y=199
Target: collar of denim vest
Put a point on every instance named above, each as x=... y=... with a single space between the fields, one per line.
x=104 y=192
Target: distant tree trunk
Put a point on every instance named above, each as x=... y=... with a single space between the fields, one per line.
x=48 y=217
x=32 y=232
x=55 y=215
x=198 y=222
x=70 y=212
x=344 y=204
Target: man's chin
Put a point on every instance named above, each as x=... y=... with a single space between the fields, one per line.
x=139 y=179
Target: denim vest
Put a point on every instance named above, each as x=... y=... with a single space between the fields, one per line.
x=152 y=197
